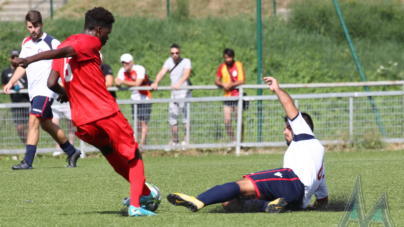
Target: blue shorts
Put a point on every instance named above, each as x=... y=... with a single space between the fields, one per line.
x=278 y=183
x=41 y=107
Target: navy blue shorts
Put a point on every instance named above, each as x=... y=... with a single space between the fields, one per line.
x=278 y=183
x=41 y=107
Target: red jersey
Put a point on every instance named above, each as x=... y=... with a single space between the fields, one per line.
x=235 y=73
x=84 y=81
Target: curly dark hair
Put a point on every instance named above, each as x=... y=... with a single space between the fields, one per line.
x=98 y=17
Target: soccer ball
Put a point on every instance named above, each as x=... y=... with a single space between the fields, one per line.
x=152 y=206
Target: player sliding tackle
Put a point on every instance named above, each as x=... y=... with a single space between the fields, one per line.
x=95 y=113
x=302 y=175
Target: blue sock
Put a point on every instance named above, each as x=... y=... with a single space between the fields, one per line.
x=68 y=148
x=30 y=154
x=264 y=205
x=220 y=193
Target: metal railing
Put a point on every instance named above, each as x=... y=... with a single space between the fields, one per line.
x=337 y=117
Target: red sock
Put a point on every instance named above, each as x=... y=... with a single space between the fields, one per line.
x=119 y=163
x=146 y=191
x=137 y=179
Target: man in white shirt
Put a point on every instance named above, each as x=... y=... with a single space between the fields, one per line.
x=180 y=70
x=40 y=95
x=133 y=75
x=302 y=175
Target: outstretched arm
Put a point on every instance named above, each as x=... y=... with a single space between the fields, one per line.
x=55 y=86
x=51 y=54
x=159 y=77
x=284 y=98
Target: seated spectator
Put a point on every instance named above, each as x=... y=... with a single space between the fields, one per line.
x=20 y=115
x=229 y=75
x=133 y=75
x=109 y=77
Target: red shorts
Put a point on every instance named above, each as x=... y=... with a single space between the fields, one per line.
x=114 y=130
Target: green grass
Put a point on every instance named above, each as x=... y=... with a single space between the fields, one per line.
x=90 y=195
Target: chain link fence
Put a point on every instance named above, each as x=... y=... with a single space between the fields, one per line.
x=338 y=117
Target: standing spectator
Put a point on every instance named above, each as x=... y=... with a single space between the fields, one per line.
x=62 y=110
x=109 y=77
x=229 y=75
x=180 y=70
x=40 y=96
x=20 y=115
x=134 y=76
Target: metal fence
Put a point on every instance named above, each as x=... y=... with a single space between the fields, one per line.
x=338 y=117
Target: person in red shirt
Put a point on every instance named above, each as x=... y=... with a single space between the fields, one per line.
x=230 y=74
x=94 y=111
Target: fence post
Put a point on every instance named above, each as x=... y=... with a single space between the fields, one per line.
x=135 y=120
x=351 y=113
x=188 y=121
x=239 y=121
x=297 y=103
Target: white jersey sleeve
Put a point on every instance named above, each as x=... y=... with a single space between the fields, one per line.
x=121 y=74
x=23 y=54
x=55 y=43
x=300 y=126
x=322 y=190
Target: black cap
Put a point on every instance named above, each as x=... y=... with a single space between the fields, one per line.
x=14 y=53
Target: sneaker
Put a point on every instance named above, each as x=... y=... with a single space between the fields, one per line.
x=22 y=165
x=276 y=206
x=190 y=202
x=57 y=153
x=72 y=159
x=183 y=145
x=143 y=199
x=139 y=212
x=171 y=144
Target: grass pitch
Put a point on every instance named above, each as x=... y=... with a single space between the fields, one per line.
x=91 y=194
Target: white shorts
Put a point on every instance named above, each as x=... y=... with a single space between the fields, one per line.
x=61 y=111
x=174 y=108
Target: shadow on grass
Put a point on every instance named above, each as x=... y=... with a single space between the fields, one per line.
x=337 y=204
x=122 y=213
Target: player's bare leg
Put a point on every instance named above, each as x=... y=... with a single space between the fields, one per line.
x=174 y=130
x=22 y=133
x=70 y=129
x=143 y=129
x=33 y=130
x=60 y=137
x=228 y=112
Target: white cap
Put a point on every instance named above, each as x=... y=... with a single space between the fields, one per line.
x=126 y=58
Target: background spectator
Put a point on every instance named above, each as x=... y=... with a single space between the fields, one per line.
x=134 y=76
x=180 y=70
x=229 y=75
x=109 y=76
x=20 y=115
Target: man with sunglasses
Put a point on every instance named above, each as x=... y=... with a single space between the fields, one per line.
x=180 y=70
x=20 y=115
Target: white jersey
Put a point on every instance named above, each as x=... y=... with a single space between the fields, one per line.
x=305 y=157
x=38 y=72
x=139 y=72
x=177 y=73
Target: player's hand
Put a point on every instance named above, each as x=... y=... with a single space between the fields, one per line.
x=7 y=88
x=176 y=86
x=23 y=62
x=118 y=82
x=62 y=98
x=226 y=87
x=273 y=83
x=154 y=86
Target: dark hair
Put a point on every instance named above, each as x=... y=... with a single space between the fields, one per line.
x=175 y=46
x=34 y=17
x=308 y=120
x=229 y=52
x=98 y=17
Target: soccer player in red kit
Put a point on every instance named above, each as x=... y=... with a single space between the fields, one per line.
x=94 y=111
